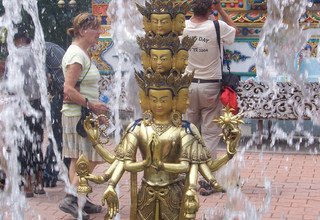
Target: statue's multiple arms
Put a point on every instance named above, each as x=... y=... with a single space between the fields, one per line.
x=106 y=176
x=92 y=128
x=231 y=138
x=193 y=176
x=153 y=157
x=182 y=167
x=110 y=196
x=192 y=201
x=207 y=175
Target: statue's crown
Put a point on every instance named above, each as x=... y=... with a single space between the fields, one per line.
x=187 y=42
x=158 y=42
x=169 y=42
x=174 y=81
x=163 y=7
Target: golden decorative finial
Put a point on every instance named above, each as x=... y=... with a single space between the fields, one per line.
x=230 y=129
x=228 y=119
x=82 y=169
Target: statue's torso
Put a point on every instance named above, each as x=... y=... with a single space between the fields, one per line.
x=168 y=151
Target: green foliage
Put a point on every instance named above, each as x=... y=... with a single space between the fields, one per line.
x=55 y=21
x=3 y=44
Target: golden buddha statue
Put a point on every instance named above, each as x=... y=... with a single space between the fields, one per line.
x=172 y=150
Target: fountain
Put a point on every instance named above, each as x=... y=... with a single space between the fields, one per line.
x=286 y=91
x=278 y=92
x=269 y=58
x=15 y=105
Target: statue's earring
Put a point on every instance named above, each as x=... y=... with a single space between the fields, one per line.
x=147 y=117
x=176 y=118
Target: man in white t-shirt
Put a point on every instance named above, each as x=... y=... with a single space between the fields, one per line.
x=204 y=60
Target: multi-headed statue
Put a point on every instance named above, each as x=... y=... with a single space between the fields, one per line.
x=172 y=150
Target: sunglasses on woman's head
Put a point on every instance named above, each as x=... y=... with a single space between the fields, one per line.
x=87 y=19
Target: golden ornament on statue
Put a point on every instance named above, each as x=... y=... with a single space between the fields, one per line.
x=82 y=169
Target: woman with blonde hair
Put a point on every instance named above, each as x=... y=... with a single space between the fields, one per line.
x=79 y=69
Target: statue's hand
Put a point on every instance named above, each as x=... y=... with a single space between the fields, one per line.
x=191 y=204
x=110 y=197
x=148 y=159
x=232 y=140
x=157 y=152
x=92 y=129
x=96 y=179
x=151 y=150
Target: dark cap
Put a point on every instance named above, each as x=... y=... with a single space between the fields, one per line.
x=22 y=33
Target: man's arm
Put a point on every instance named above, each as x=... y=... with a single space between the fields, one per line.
x=225 y=17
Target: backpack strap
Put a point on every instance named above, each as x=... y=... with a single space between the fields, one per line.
x=217 y=26
x=66 y=98
x=85 y=74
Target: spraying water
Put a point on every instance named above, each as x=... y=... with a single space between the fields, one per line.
x=16 y=104
x=126 y=26
x=281 y=38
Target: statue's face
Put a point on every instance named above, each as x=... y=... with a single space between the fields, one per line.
x=179 y=24
x=161 y=60
x=161 y=24
x=143 y=99
x=181 y=60
x=161 y=102
x=146 y=24
x=145 y=59
x=182 y=100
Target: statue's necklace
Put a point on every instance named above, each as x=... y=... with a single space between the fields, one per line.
x=160 y=128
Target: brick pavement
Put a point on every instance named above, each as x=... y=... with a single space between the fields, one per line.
x=295 y=191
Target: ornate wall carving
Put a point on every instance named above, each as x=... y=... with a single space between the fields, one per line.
x=280 y=101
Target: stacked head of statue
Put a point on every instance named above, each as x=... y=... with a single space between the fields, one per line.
x=164 y=54
x=164 y=59
x=163 y=17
